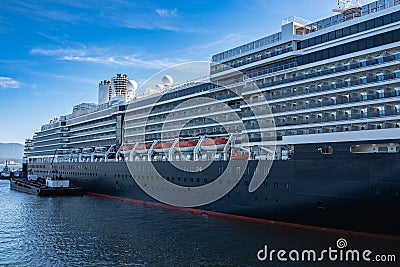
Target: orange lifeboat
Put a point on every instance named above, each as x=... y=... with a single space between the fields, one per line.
x=213 y=144
x=162 y=147
x=142 y=148
x=186 y=146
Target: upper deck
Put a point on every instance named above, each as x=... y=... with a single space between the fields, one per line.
x=299 y=28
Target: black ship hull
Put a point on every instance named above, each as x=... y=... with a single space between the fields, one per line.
x=358 y=192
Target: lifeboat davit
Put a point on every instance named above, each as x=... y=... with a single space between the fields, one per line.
x=126 y=149
x=142 y=148
x=100 y=151
x=87 y=151
x=162 y=147
x=186 y=146
x=213 y=144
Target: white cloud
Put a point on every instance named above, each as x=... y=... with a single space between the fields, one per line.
x=106 y=56
x=165 y=12
x=57 y=51
x=203 y=51
x=138 y=14
x=130 y=60
x=7 y=82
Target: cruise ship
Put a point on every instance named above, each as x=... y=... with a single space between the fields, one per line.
x=300 y=127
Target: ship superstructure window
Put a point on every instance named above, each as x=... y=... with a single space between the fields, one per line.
x=360 y=27
x=326 y=150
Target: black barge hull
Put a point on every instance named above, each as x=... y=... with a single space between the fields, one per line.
x=35 y=188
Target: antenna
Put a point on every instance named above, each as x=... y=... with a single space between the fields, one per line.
x=345 y=5
x=349 y=8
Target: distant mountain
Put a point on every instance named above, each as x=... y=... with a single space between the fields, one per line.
x=11 y=151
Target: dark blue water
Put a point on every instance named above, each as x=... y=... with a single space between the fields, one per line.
x=92 y=231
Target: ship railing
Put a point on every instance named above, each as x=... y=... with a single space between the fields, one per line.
x=295 y=19
x=189 y=83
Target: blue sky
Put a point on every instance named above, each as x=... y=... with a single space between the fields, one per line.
x=54 y=53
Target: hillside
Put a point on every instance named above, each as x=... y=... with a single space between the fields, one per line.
x=11 y=151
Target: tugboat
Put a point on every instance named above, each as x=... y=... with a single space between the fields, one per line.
x=6 y=172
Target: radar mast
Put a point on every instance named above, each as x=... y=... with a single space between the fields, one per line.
x=349 y=8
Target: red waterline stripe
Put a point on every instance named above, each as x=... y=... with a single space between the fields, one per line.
x=249 y=219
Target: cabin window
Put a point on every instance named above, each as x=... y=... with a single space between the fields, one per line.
x=326 y=150
x=383 y=149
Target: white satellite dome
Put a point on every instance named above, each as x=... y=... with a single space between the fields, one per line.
x=167 y=80
x=131 y=85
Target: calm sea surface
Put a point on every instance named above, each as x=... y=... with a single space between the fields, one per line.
x=92 y=231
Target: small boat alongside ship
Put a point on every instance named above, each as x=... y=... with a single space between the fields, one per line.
x=51 y=186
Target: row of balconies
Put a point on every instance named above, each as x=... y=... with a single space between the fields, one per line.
x=338 y=128
x=321 y=88
x=331 y=118
x=320 y=73
x=326 y=101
